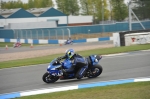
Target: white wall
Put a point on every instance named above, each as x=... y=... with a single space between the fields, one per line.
x=2 y=22
x=62 y=20
x=32 y=25
x=80 y=19
x=20 y=20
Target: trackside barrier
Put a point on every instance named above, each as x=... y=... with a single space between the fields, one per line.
x=80 y=86
x=127 y=38
x=29 y=41
x=137 y=38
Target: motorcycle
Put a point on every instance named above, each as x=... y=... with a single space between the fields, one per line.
x=68 y=42
x=18 y=44
x=54 y=69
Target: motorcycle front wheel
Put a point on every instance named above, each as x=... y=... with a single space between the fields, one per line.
x=95 y=71
x=47 y=78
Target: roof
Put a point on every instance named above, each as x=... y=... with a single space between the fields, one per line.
x=21 y=13
x=16 y=13
x=1 y=17
x=37 y=11
x=46 y=12
x=33 y=12
x=7 y=12
x=52 y=12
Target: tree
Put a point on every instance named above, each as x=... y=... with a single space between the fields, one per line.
x=31 y=3
x=141 y=8
x=47 y=3
x=119 y=10
x=69 y=7
x=95 y=8
x=101 y=9
x=84 y=7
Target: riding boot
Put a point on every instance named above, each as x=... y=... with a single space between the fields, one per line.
x=65 y=73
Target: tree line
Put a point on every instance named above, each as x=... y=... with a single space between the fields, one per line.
x=99 y=9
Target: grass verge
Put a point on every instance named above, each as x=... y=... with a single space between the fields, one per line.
x=138 y=90
x=47 y=59
x=3 y=44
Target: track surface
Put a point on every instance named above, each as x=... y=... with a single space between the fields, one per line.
x=43 y=47
x=135 y=64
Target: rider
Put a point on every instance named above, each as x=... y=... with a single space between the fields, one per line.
x=77 y=60
x=69 y=39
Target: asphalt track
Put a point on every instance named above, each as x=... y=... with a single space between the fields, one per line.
x=132 y=65
x=50 y=46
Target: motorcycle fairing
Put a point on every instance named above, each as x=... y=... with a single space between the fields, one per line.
x=95 y=59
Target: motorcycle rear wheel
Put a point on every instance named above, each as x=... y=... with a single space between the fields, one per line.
x=47 y=78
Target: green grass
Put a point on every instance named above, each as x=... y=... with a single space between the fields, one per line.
x=3 y=44
x=138 y=90
x=47 y=59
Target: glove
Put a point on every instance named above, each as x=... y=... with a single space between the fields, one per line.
x=59 y=58
x=63 y=70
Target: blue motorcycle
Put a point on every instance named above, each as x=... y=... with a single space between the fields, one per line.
x=54 y=70
x=68 y=42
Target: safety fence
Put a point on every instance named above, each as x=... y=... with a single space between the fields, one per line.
x=41 y=33
x=75 y=32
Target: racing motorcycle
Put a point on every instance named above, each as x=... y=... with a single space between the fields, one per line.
x=18 y=44
x=54 y=69
x=68 y=42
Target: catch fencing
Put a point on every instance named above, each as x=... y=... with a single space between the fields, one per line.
x=41 y=33
x=75 y=32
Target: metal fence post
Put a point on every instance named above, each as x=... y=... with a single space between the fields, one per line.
x=48 y=33
x=56 y=34
x=37 y=33
x=20 y=34
x=31 y=34
x=42 y=34
x=89 y=33
x=17 y=35
x=26 y=34
x=63 y=33
x=68 y=31
x=14 y=33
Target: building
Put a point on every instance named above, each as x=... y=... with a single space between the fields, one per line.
x=16 y=18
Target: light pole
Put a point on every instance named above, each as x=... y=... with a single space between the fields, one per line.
x=130 y=16
x=102 y=16
x=0 y=7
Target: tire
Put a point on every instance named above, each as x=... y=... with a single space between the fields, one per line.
x=49 y=79
x=98 y=71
